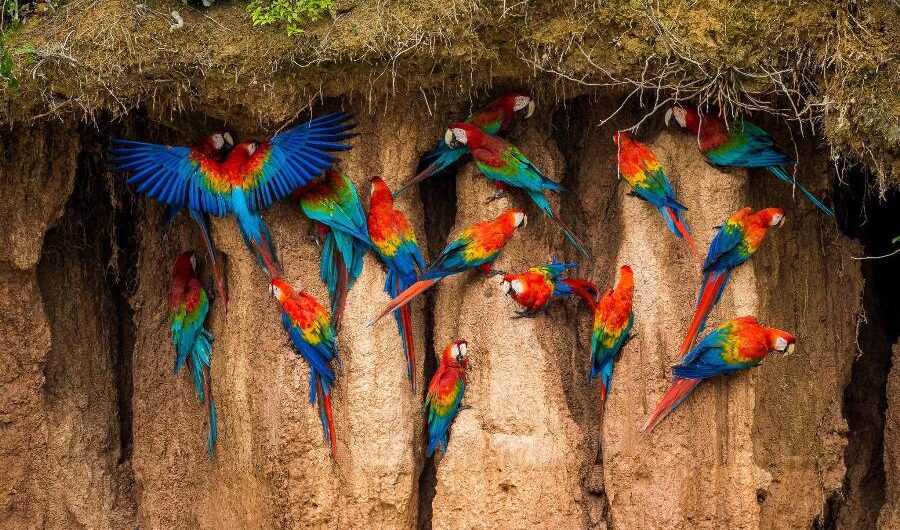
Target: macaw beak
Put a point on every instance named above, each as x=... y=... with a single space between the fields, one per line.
x=780 y=224
x=228 y=139
x=529 y=109
x=668 y=117
x=790 y=350
x=505 y=287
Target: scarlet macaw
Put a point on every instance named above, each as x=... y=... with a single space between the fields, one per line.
x=533 y=288
x=445 y=392
x=333 y=204
x=312 y=337
x=188 y=307
x=396 y=245
x=502 y=162
x=642 y=171
x=734 y=243
x=494 y=118
x=476 y=247
x=613 y=320
x=735 y=345
x=738 y=144
x=252 y=178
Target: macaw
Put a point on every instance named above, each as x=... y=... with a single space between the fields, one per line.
x=312 y=336
x=642 y=171
x=732 y=245
x=613 y=320
x=252 y=178
x=396 y=245
x=333 y=204
x=735 y=345
x=213 y=147
x=445 y=392
x=494 y=118
x=533 y=288
x=738 y=144
x=502 y=162
x=188 y=307
x=476 y=247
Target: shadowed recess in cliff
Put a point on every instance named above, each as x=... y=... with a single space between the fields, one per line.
x=86 y=275
x=438 y=195
x=873 y=220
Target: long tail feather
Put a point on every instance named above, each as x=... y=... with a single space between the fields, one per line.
x=779 y=172
x=409 y=345
x=404 y=298
x=713 y=285
x=671 y=399
x=570 y=235
x=325 y=415
x=340 y=293
x=682 y=230
x=431 y=169
x=587 y=290
x=218 y=276
x=210 y=413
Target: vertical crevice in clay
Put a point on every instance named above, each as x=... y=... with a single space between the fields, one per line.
x=438 y=195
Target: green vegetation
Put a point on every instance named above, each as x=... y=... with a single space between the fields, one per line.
x=294 y=14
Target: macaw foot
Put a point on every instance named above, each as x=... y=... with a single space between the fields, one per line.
x=499 y=194
x=315 y=239
x=465 y=407
x=628 y=338
x=495 y=272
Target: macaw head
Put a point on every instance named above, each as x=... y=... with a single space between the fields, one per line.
x=626 y=277
x=782 y=342
x=518 y=217
x=512 y=285
x=185 y=266
x=216 y=145
x=458 y=351
x=281 y=289
x=771 y=217
x=379 y=192
x=687 y=117
x=462 y=134
x=621 y=137
x=521 y=102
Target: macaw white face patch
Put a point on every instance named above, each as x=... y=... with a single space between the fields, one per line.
x=679 y=114
x=276 y=292
x=521 y=219
x=781 y=344
x=194 y=262
x=218 y=141
x=517 y=286
x=251 y=148
x=777 y=220
x=456 y=135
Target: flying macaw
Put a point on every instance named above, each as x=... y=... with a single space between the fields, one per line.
x=333 y=204
x=533 y=288
x=312 y=336
x=252 y=177
x=213 y=147
x=188 y=307
x=395 y=243
x=494 y=118
x=445 y=392
x=738 y=144
x=613 y=319
x=642 y=171
x=732 y=245
x=476 y=247
x=502 y=162
x=735 y=345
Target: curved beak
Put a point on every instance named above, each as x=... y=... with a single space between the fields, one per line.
x=780 y=224
x=505 y=287
x=449 y=138
x=790 y=350
x=529 y=109
x=524 y=221
x=668 y=117
x=228 y=139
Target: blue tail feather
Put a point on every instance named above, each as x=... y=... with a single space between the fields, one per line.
x=779 y=172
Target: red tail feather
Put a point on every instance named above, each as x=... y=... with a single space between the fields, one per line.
x=713 y=285
x=671 y=399
x=324 y=401
x=424 y=174
x=587 y=290
x=409 y=343
x=404 y=298
x=268 y=259
x=683 y=231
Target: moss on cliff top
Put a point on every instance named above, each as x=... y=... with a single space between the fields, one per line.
x=828 y=65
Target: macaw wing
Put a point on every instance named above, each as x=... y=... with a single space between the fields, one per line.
x=710 y=345
x=748 y=146
x=318 y=355
x=442 y=408
x=454 y=256
x=725 y=241
x=606 y=345
x=291 y=159
x=657 y=181
x=177 y=176
x=337 y=207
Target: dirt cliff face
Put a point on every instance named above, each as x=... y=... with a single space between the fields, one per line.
x=98 y=433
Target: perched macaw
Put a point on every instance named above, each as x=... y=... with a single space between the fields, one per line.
x=312 y=336
x=738 y=144
x=735 y=345
x=396 y=245
x=476 y=247
x=332 y=202
x=188 y=307
x=732 y=245
x=642 y=171
x=252 y=177
x=613 y=319
x=445 y=392
x=533 y=288
x=494 y=118
x=502 y=162
x=213 y=147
